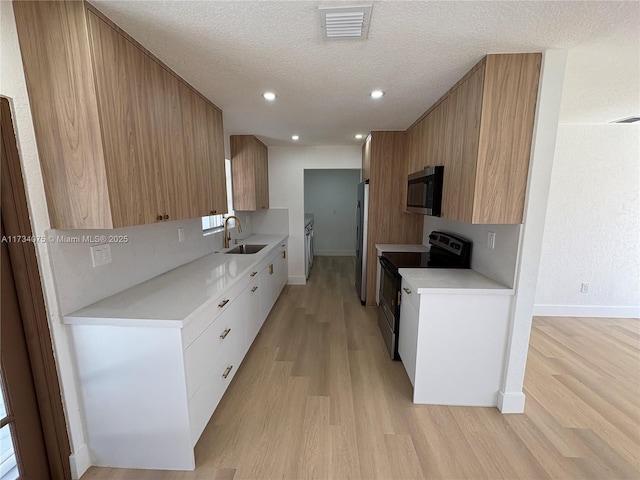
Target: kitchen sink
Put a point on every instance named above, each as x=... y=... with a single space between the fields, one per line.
x=246 y=249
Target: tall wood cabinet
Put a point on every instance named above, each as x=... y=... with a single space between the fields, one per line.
x=388 y=223
x=250 y=173
x=481 y=131
x=122 y=139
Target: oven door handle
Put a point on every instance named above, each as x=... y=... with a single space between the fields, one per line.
x=388 y=266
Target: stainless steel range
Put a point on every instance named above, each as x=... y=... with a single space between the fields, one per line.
x=447 y=250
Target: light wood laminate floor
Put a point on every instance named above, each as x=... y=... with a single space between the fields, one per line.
x=317 y=397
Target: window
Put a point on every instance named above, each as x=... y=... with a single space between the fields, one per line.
x=212 y=223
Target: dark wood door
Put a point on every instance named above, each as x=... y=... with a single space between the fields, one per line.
x=21 y=406
x=33 y=432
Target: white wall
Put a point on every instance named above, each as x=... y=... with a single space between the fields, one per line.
x=594 y=186
x=330 y=195
x=511 y=399
x=592 y=232
x=498 y=263
x=286 y=189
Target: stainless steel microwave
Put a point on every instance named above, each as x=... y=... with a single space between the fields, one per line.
x=424 y=191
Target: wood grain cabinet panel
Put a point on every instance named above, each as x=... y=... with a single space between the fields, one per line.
x=217 y=183
x=481 y=130
x=388 y=223
x=250 y=173
x=510 y=93
x=121 y=138
x=50 y=33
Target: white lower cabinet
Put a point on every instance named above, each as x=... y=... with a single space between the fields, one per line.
x=149 y=391
x=408 y=335
x=273 y=278
x=283 y=269
x=254 y=317
x=213 y=359
x=453 y=345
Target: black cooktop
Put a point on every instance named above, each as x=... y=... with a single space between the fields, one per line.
x=408 y=259
x=421 y=260
x=446 y=251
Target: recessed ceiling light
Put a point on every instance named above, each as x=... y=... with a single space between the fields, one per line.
x=358 y=136
x=269 y=96
x=377 y=94
x=295 y=137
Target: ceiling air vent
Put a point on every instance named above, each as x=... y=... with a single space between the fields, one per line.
x=627 y=120
x=345 y=22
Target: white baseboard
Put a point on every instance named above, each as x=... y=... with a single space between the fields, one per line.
x=334 y=253
x=297 y=280
x=511 y=402
x=603 y=311
x=80 y=462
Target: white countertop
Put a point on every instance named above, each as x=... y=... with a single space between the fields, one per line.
x=170 y=298
x=452 y=282
x=400 y=247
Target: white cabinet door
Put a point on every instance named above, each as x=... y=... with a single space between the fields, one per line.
x=266 y=291
x=408 y=336
x=282 y=270
x=254 y=315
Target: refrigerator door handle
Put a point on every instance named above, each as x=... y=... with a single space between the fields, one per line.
x=357 y=220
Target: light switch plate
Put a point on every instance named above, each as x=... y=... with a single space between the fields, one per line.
x=181 y=234
x=101 y=254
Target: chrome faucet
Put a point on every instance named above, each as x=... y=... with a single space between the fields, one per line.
x=227 y=236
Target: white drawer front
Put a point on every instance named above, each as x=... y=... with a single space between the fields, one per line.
x=409 y=294
x=208 y=395
x=202 y=320
x=216 y=342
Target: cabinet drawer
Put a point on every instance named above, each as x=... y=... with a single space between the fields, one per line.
x=196 y=326
x=410 y=294
x=208 y=395
x=218 y=340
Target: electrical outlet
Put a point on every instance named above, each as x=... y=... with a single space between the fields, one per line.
x=584 y=288
x=491 y=240
x=101 y=254
x=181 y=234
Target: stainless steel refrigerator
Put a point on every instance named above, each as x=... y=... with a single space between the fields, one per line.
x=362 y=222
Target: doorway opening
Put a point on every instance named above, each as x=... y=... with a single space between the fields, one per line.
x=33 y=433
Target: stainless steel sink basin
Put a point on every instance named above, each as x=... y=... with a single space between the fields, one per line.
x=246 y=249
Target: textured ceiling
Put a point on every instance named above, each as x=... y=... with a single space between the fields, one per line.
x=234 y=51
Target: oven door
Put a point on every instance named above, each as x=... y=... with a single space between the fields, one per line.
x=388 y=311
x=390 y=281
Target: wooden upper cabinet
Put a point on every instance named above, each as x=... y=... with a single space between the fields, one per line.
x=509 y=98
x=250 y=173
x=481 y=130
x=122 y=140
x=218 y=195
